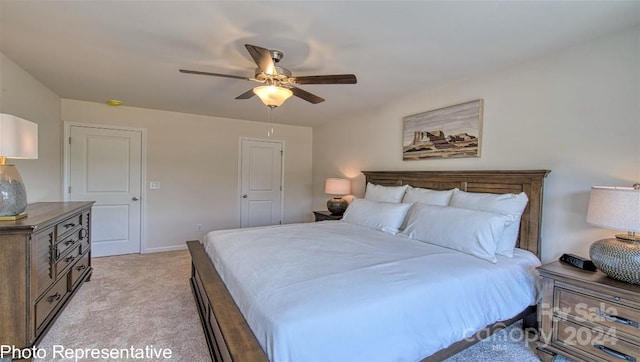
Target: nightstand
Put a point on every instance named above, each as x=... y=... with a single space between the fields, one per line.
x=326 y=215
x=587 y=316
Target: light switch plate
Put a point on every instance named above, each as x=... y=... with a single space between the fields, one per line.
x=154 y=185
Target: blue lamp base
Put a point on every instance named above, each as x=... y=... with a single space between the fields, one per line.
x=13 y=195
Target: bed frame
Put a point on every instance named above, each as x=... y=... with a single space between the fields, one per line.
x=228 y=335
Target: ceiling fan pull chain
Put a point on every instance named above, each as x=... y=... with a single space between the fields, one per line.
x=269 y=117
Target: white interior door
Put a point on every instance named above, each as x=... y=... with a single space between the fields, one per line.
x=261 y=183
x=105 y=165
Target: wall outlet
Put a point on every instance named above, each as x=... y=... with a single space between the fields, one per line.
x=154 y=185
x=199 y=227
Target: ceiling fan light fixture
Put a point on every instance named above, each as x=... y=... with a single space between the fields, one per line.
x=271 y=95
x=271 y=92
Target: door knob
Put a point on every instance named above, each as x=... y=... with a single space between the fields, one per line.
x=244 y=196
x=134 y=198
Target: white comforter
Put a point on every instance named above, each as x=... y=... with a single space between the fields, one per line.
x=332 y=291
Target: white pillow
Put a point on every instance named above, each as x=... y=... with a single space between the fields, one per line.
x=384 y=193
x=383 y=216
x=428 y=196
x=473 y=232
x=507 y=204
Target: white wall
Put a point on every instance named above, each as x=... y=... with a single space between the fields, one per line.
x=576 y=113
x=24 y=96
x=196 y=160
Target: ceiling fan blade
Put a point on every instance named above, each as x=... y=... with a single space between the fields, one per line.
x=213 y=74
x=327 y=79
x=309 y=97
x=263 y=59
x=246 y=95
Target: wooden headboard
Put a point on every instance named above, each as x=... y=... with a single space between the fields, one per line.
x=497 y=182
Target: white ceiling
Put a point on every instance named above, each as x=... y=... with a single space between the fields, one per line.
x=132 y=50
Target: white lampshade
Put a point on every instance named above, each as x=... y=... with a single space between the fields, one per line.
x=337 y=186
x=18 y=137
x=271 y=95
x=616 y=208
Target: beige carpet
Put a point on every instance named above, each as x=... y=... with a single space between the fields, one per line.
x=145 y=301
x=133 y=301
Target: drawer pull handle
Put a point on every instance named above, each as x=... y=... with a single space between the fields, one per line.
x=614 y=353
x=81 y=267
x=54 y=298
x=614 y=318
x=69 y=225
x=70 y=259
x=69 y=242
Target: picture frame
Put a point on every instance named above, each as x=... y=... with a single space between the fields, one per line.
x=449 y=132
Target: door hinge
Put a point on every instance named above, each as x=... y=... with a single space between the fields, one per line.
x=69 y=189
x=280 y=222
x=69 y=140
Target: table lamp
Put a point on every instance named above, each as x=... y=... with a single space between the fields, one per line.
x=616 y=208
x=18 y=139
x=337 y=187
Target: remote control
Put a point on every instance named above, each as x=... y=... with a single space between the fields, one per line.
x=578 y=262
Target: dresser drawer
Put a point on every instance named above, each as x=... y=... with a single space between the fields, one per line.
x=67 y=260
x=595 y=344
x=78 y=270
x=63 y=245
x=599 y=311
x=50 y=301
x=70 y=224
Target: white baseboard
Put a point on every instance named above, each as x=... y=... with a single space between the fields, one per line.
x=164 y=248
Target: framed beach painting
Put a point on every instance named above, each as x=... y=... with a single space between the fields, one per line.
x=449 y=132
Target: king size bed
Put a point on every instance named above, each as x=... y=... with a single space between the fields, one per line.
x=417 y=270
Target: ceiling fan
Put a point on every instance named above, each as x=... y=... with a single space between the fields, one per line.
x=278 y=82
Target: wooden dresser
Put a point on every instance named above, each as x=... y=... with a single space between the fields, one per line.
x=587 y=316
x=44 y=258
